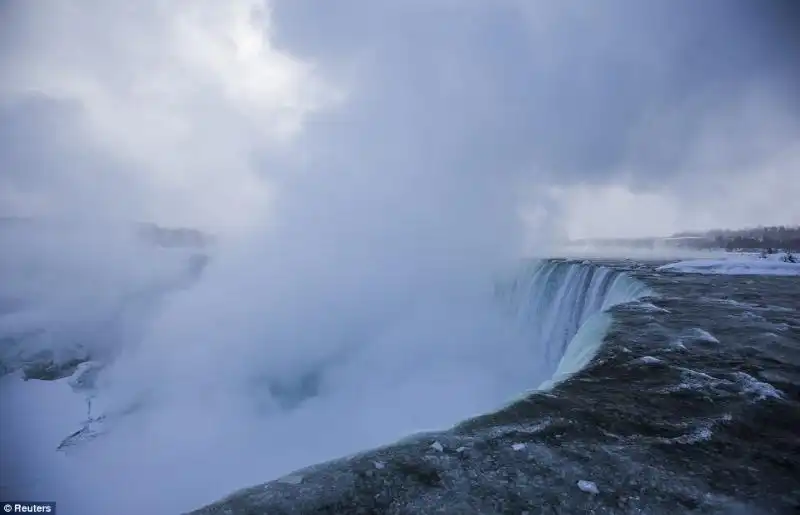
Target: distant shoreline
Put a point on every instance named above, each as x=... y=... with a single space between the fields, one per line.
x=778 y=238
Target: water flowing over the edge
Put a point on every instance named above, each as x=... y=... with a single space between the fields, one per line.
x=564 y=304
x=563 y=307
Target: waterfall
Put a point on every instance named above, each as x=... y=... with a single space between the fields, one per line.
x=563 y=306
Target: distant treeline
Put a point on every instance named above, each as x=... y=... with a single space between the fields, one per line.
x=777 y=238
x=781 y=237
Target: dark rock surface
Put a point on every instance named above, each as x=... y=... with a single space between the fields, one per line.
x=49 y=370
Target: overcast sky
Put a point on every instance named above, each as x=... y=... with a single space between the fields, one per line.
x=609 y=118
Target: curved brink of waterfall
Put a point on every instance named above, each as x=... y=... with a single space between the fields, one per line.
x=564 y=305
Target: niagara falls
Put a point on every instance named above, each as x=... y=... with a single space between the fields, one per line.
x=265 y=257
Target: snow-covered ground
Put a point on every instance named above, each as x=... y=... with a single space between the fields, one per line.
x=738 y=264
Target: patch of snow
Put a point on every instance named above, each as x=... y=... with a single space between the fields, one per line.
x=781 y=326
x=677 y=344
x=703 y=335
x=535 y=428
x=379 y=465
x=698 y=375
x=761 y=390
x=291 y=479
x=588 y=487
x=693 y=380
x=461 y=449
x=436 y=446
x=738 y=265
x=648 y=360
x=518 y=446
x=749 y=315
x=699 y=435
x=649 y=306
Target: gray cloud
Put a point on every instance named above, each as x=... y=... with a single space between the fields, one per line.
x=566 y=91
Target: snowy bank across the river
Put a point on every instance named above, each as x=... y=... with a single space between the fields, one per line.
x=738 y=264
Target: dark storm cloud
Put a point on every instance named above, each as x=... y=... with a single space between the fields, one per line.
x=573 y=90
